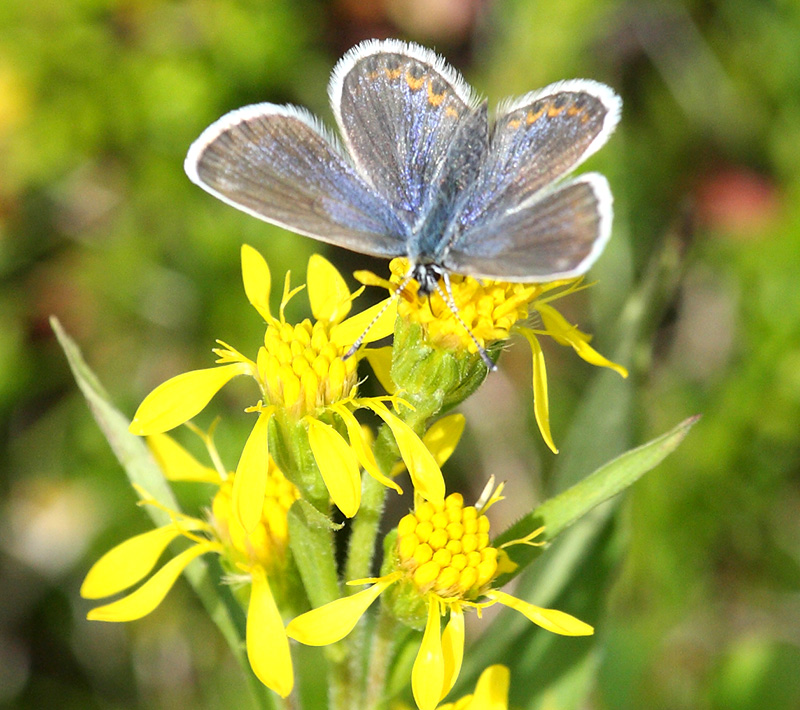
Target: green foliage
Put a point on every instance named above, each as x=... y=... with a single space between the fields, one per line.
x=689 y=581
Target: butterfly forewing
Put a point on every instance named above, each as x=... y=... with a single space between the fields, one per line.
x=274 y=163
x=398 y=107
x=558 y=236
x=537 y=140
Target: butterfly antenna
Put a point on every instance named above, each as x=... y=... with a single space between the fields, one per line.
x=360 y=341
x=447 y=297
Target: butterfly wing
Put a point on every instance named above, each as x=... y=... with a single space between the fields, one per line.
x=399 y=107
x=277 y=164
x=516 y=222
x=558 y=236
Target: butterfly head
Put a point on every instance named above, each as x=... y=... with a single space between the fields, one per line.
x=427 y=276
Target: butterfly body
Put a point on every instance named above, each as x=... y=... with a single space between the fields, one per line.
x=421 y=172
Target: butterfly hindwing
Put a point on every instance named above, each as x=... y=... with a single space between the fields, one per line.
x=558 y=236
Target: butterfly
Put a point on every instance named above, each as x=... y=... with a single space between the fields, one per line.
x=420 y=171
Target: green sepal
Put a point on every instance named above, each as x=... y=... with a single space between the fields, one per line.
x=289 y=448
x=430 y=378
x=558 y=513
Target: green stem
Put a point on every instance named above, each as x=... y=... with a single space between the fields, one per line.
x=340 y=685
x=360 y=556
x=361 y=549
x=386 y=635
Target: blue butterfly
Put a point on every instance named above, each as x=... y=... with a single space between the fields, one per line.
x=422 y=173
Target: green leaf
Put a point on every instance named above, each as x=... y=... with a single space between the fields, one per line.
x=141 y=469
x=130 y=450
x=558 y=513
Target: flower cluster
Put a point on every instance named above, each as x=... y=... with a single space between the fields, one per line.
x=307 y=385
x=269 y=520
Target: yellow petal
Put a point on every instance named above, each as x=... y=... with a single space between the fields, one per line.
x=453 y=648
x=369 y=279
x=567 y=334
x=333 y=621
x=441 y=439
x=267 y=644
x=257 y=280
x=127 y=563
x=177 y=463
x=380 y=360
x=250 y=481
x=558 y=622
x=362 y=449
x=491 y=692
x=179 y=399
x=422 y=467
x=428 y=673
x=541 y=405
x=348 y=332
x=338 y=465
x=327 y=291
x=443 y=436
x=152 y=592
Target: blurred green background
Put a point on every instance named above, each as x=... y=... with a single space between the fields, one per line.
x=692 y=585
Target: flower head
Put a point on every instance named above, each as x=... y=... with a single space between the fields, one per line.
x=253 y=557
x=308 y=384
x=444 y=559
x=489 y=312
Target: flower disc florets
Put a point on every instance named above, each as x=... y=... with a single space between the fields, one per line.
x=444 y=549
x=301 y=370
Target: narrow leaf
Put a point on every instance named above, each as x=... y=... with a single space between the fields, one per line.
x=141 y=469
x=558 y=513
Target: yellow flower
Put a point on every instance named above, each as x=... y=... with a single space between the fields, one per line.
x=304 y=376
x=490 y=311
x=491 y=692
x=255 y=555
x=442 y=557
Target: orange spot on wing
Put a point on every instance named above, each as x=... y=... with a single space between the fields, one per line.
x=552 y=111
x=413 y=83
x=434 y=99
x=531 y=117
x=451 y=112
